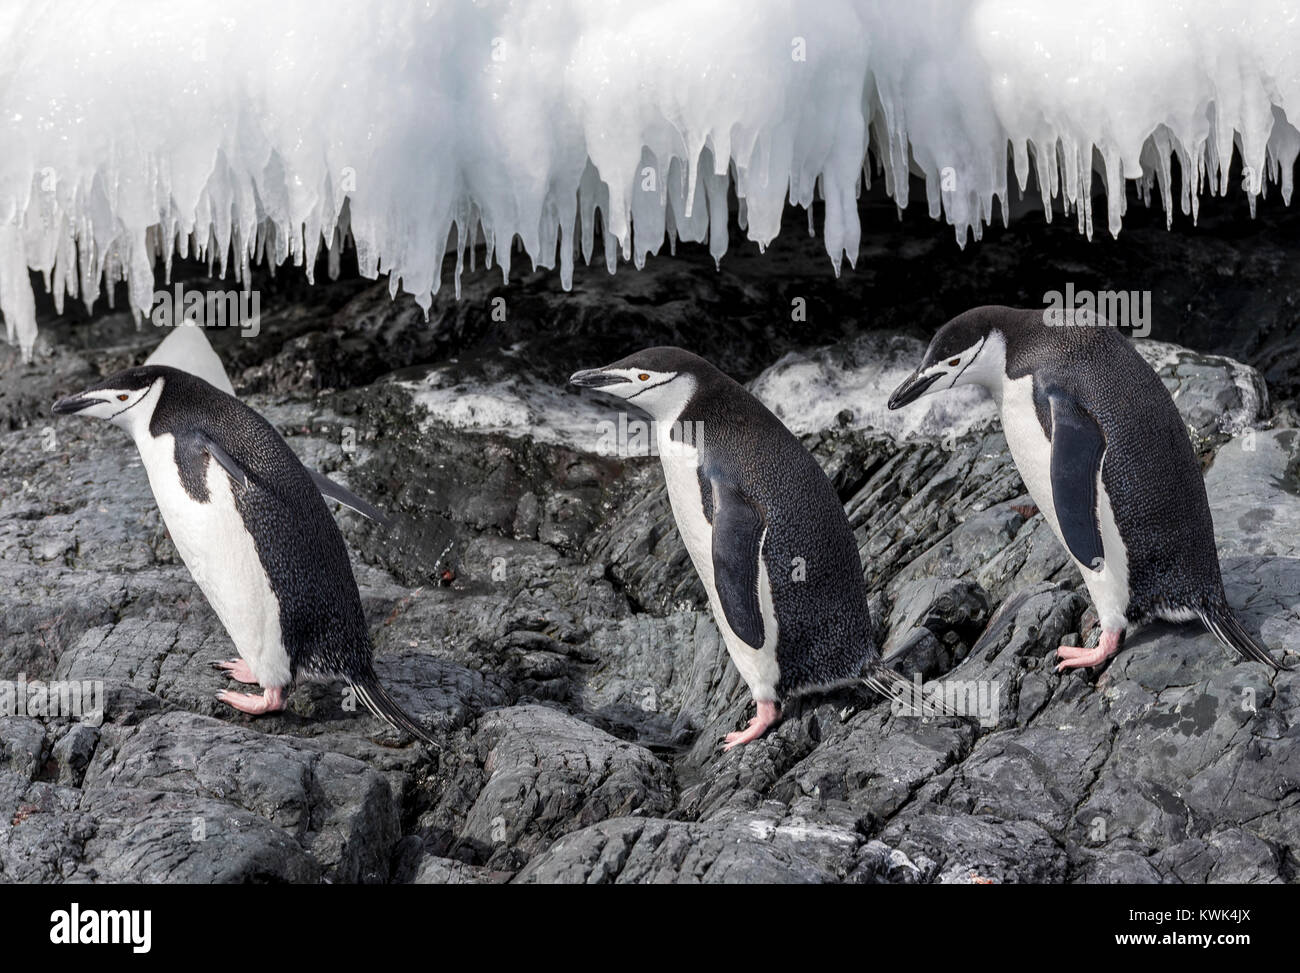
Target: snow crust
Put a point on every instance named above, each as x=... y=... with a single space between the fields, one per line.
x=518 y=406
x=847 y=386
x=246 y=131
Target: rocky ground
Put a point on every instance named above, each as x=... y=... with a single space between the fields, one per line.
x=533 y=605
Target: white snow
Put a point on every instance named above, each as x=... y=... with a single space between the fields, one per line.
x=517 y=406
x=809 y=391
x=237 y=131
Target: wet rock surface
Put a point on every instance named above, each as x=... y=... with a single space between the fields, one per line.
x=533 y=606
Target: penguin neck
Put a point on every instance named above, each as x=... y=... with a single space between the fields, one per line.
x=138 y=420
x=991 y=368
x=671 y=402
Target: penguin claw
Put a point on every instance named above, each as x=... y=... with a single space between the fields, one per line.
x=237 y=669
x=1077 y=657
x=768 y=712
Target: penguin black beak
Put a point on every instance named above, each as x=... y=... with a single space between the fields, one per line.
x=73 y=403
x=912 y=389
x=594 y=378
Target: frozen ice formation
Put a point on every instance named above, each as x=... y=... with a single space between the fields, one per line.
x=246 y=131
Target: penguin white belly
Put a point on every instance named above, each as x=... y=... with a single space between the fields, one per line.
x=1032 y=452
x=222 y=557
x=758 y=667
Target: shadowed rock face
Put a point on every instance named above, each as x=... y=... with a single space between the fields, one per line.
x=533 y=605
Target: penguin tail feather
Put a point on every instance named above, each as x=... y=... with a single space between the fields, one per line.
x=376 y=699
x=886 y=682
x=1227 y=628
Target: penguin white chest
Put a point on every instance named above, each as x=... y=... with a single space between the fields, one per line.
x=1032 y=452
x=1030 y=448
x=681 y=473
x=758 y=667
x=222 y=557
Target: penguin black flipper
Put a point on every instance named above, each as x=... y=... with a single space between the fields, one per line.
x=193 y=447
x=237 y=473
x=327 y=487
x=343 y=495
x=737 y=537
x=1077 y=450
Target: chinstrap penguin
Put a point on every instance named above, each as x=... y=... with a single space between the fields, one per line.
x=763 y=527
x=1107 y=459
x=251 y=526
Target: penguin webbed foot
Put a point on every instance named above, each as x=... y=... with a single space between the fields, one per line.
x=1078 y=657
x=768 y=713
x=269 y=701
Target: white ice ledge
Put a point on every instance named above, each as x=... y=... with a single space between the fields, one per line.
x=237 y=131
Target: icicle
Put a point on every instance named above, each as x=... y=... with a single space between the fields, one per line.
x=17 y=303
x=533 y=121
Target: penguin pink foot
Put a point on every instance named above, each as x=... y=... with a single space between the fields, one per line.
x=768 y=713
x=268 y=702
x=238 y=670
x=1075 y=657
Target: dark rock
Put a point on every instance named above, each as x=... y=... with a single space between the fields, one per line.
x=654 y=850
x=448 y=871
x=22 y=746
x=533 y=604
x=540 y=774
x=73 y=753
x=974 y=849
x=340 y=811
x=1230 y=856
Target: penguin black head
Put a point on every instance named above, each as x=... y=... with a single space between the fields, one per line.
x=968 y=350
x=119 y=397
x=659 y=380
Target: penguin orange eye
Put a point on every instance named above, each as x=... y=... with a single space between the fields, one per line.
x=644 y=377
x=123 y=397
x=954 y=361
